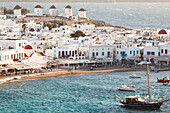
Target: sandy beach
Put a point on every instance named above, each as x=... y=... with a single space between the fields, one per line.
x=74 y=72
x=64 y=73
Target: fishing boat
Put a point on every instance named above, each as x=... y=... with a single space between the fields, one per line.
x=126 y=88
x=134 y=76
x=139 y=102
x=164 y=80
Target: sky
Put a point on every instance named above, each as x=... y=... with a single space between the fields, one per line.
x=84 y=0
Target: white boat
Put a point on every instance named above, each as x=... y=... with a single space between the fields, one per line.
x=126 y=88
x=134 y=76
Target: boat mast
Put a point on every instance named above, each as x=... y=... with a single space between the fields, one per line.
x=148 y=83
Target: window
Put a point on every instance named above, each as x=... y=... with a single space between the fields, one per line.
x=59 y=53
x=117 y=46
x=108 y=53
x=102 y=48
x=117 y=52
x=19 y=44
x=152 y=53
x=162 y=50
x=96 y=53
x=108 y=48
x=102 y=53
x=137 y=52
x=93 y=54
x=130 y=52
x=130 y=45
x=11 y=56
x=148 y=53
x=166 y=51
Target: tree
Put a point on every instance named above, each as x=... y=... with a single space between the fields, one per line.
x=24 y=27
x=78 y=33
x=49 y=25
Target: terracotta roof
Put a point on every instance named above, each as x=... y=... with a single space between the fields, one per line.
x=68 y=6
x=38 y=6
x=162 y=32
x=28 y=47
x=17 y=7
x=82 y=9
x=52 y=7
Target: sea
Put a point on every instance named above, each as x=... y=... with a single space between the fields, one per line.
x=83 y=93
x=130 y=15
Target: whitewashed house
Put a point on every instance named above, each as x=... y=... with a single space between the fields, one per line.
x=126 y=51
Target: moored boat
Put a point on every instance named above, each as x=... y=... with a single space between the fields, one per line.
x=134 y=76
x=126 y=88
x=164 y=80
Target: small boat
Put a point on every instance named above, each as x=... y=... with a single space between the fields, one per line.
x=126 y=88
x=164 y=80
x=139 y=102
x=156 y=71
x=134 y=76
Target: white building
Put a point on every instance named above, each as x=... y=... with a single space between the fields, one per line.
x=126 y=51
x=82 y=13
x=17 y=10
x=64 y=51
x=151 y=51
x=53 y=11
x=98 y=52
x=68 y=11
x=38 y=10
x=165 y=50
x=11 y=50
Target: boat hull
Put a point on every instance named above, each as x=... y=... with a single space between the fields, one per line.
x=162 y=80
x=143 y=106
x=127 y=89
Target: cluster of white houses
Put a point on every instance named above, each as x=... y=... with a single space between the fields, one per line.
x=39 y=45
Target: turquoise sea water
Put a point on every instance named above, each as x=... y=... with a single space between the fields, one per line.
x=78 y=93
x=132 y=15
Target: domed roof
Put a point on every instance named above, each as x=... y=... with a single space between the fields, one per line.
x=28 y=47
x=32 y=29
x=162 y=32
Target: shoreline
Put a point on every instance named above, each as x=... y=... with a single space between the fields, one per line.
x=63 y=73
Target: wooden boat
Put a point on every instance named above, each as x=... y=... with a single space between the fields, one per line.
x=164 y=80
x=126 y=88
x=138 y=102
x=134 y=76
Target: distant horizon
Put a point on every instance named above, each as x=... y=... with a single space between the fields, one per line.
x=85 y=1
